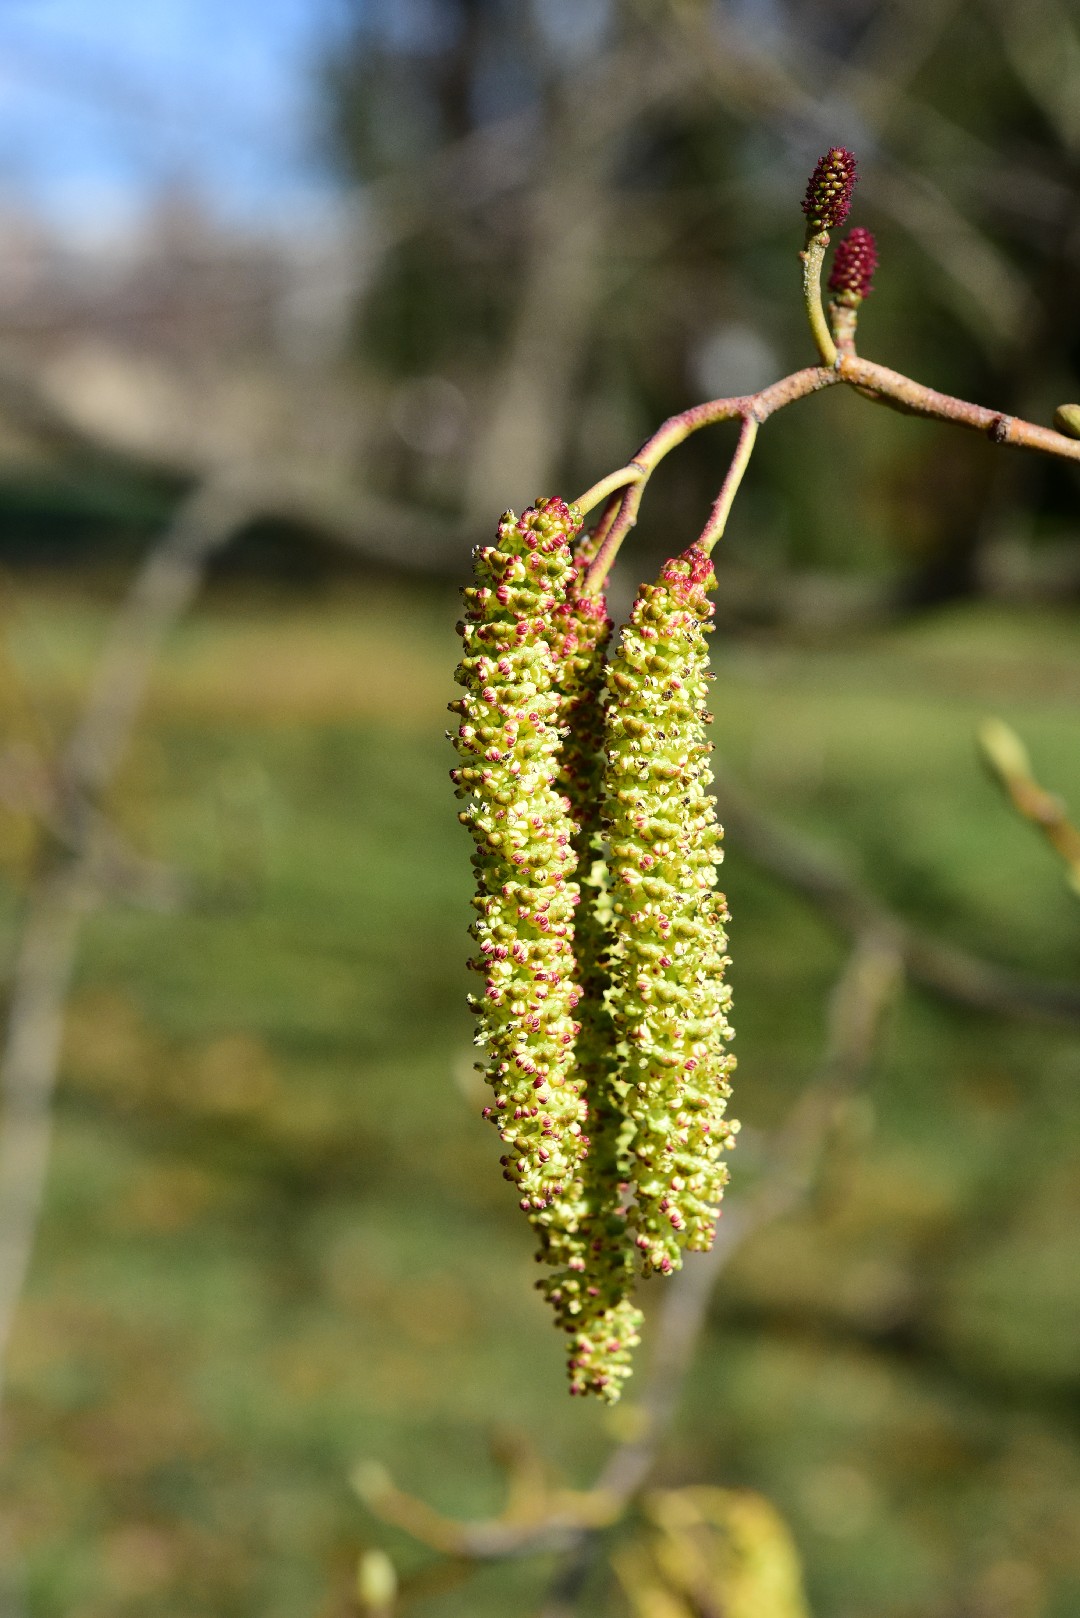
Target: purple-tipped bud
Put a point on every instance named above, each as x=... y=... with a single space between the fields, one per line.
x=828 y=191
x=852 y=277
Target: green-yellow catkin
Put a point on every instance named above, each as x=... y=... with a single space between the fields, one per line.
x=591 y=1289
x=509 y=741
x=668 y=996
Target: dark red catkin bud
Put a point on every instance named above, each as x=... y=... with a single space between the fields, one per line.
x=856 y=259
x=828 y=191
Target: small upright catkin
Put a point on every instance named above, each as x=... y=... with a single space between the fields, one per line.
x=828 y=190
x=852 y=277
x=591 y=1290
x=509 y=741
x=668 y=995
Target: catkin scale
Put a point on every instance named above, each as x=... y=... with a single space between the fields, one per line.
x=524 y=859
x=668 y=997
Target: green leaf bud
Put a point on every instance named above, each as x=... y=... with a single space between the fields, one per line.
x=1067 y=420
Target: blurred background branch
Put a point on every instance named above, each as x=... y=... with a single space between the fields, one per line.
x=68 y=882
x=945 y=970
x=1008 y=760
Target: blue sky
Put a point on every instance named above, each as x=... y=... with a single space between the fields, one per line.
x=101 y=101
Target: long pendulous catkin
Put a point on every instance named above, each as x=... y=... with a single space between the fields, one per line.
x=603 y=1011
x=531 y=743
x=668 y=996
x=509 y=741
x=593 y=1284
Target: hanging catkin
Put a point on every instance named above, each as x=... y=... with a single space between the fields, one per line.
x=591 y=1289
x=668 y=996
x=509 y=742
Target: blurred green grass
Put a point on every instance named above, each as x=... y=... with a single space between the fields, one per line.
x=276 y=1239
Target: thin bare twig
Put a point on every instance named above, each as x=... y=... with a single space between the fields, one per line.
x=1008 y=759
x=721 y=510
x=28 y=1064
x=876 y=382
x=756 y=407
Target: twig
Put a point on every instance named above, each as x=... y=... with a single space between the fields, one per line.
x=28 y=1066
x=876 y=382
x=812 y=258
x=757 y=407
x=614 y=483
x=721 y=511
x=1008 y=759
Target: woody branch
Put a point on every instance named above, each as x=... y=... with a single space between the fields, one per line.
x=889 y=388
x=825 y=205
